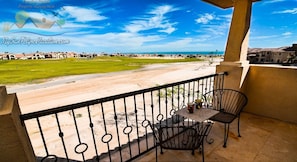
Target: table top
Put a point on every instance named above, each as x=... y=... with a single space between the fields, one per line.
x=198 y=115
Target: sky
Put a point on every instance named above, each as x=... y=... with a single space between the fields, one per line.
x=131 y=26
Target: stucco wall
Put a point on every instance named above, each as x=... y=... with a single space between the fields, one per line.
x=14 y=144
x=272 y=92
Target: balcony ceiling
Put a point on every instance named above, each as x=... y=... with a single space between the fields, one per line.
x=223 y=3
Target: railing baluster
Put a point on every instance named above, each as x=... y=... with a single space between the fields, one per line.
x=200 y=90
x=194 y=91
x=160 y=116
x=106 y=135
x=172 y=98
x=77 y=147
x=189 y=92
x=153 y=121
x=61 y=135
x=128 y=129
x=136 y=123
x=166 y=105
x=145 y=119
x=117 y=128
x=93 y=134
x=209 y=84
x=202 y=86
x=42 y=137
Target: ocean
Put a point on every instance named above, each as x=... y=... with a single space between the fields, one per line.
x=181 y=53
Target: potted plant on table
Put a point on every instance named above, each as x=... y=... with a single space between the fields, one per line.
x=198 y=103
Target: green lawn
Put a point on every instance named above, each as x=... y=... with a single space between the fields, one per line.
x=20 y=71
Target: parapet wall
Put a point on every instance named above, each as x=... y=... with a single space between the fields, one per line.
x=272 y=92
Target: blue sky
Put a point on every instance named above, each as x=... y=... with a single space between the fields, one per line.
x=137 y=25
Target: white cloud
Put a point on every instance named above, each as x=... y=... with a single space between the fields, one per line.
x=81 y=14
x=184 y=44
x=225 y=17
x=158 y=20
x=287 y=34
x=205 y=19
x=292 y=11
x=219 y=26
x=161 y=10
x=272 y=1
x=168 y=30
x=216 y=30
x=137 y=43
x=116 y=41
x=263 y=37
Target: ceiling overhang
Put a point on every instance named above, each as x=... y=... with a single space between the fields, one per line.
x=223 y=3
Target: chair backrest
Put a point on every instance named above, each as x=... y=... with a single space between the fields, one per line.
x=155 y=129
x=180 y=137
x=202 y=131
x=226 y=100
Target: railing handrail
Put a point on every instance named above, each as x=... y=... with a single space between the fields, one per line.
x=59 y=109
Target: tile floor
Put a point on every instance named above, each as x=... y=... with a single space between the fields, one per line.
x=263 y=139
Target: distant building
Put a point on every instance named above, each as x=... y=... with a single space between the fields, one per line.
x=7 y=56
x=282 y=55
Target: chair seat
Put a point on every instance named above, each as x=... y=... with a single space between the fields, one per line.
x=184 y=140
x=223 y=117
x=181 y=137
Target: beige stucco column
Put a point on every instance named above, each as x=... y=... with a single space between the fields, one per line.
x=235 y=58
x=14 y=141
x=237 y=44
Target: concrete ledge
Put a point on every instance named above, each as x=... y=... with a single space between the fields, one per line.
x=3 y=94
x=14 y=144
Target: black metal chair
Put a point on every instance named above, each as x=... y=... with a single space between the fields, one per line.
x=230 y=103
x=181 y=137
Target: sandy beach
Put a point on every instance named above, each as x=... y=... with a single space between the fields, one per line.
x=74 y=89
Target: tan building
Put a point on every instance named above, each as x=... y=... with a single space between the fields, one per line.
x=273 y=55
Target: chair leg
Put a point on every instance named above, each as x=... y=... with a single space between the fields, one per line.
x=226 y=133
x=211 y=140
x=202 y=147
x=238 y=126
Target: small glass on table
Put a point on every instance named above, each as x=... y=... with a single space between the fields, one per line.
x=190 y=107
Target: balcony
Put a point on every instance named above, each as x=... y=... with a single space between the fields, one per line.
x=114 y=128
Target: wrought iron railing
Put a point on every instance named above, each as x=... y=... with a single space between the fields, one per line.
x=111 y=128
